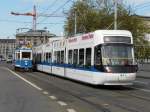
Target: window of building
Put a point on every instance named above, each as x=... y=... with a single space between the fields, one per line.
x=70 y=57
x=88 y=57
x=81 y=57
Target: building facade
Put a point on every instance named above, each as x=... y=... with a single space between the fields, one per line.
x=33 y=38
x=7 y=48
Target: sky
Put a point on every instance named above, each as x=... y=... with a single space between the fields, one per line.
x=9 y=23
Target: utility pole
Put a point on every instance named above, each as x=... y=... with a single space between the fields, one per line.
x=115 y=14
x=34 y=17
x=75 y=22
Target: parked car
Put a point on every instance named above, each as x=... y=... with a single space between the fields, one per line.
x=9 y=60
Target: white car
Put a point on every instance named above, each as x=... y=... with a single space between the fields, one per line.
x=9 y=60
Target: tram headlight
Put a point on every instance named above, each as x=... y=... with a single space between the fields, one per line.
x=26 y=63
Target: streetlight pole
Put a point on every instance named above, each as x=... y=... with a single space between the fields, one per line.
x=115 y=14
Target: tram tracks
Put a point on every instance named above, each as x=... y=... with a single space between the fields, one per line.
x=96 y=105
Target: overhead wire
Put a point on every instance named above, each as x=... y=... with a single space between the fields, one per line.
x=55 y=10
x=50 y=6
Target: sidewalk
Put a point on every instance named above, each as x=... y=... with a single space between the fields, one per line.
x=144 y=67
x=144 y=71
x=143 y=74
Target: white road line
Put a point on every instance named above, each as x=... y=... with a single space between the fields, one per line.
x=45 y=92
x=141 y=82
x=53 y=97
x=61 y=103
x=71 y=110
x=30 y=83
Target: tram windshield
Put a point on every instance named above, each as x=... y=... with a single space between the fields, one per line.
x=26 y=55
x=117 y=54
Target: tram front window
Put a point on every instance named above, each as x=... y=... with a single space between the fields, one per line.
x=26 y=55
x=117 y=55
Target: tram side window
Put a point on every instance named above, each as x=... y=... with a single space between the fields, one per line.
x=88 y=57
x=81 y=57
x=37 y=58
x=70 y=57
x=58 y=57
x=49 y=58
x=45 y=59
x=18 y=56
x=97 y=59
x=62 y=57
x=55 y=57
x=40 y=58
x=75 y=57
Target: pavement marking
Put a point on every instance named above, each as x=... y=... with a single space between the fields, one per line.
x=71 y=110
x=30 y=83
x=61 y=103
x=141 y=82
x=45 y=92
x=53 y=97
x=106 y=104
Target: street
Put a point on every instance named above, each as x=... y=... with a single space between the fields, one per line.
x=55 y=94
x=18 y=96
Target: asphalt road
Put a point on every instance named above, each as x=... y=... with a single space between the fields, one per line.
x=18 y=96
x=79 y=97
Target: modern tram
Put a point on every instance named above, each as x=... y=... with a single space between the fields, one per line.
x=102 y=57
x=23 y=59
